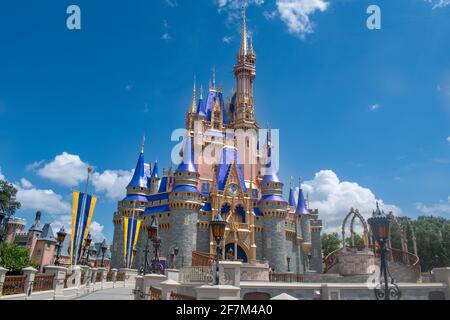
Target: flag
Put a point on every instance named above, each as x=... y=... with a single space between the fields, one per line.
x=131 y=227
x=82 y=211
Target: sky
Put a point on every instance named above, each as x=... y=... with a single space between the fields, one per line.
x=364 y=115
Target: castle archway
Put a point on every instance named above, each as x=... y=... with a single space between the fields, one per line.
x=234 y=251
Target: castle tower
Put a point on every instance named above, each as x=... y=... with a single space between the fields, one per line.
x=14 y=226
x=245 y=74
x=131 y=206
x=185 y=202
x=274 y=210
x=316 y=230
x=35 y=232
x=303 y=216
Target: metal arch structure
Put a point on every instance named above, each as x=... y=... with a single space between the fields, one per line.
x=403 y=227
x=355 y=214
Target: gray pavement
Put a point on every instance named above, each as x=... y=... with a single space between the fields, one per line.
x=110 y=294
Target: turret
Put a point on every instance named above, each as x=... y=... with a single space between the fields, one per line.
x=185 y=202
x=274 y=210
x=34 y=232
x=154 y=179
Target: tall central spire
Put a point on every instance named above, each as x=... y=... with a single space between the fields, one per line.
x=244 y=37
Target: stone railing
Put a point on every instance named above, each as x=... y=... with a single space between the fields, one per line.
x=60 y=283
x=180 y=297
x=408 y=259
x=201 y=274
x=285 y=277
x=331 y=260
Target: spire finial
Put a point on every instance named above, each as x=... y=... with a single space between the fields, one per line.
x=201 y=92
x=214 y=71
x=300 y=183
x=194 y=97
x=307 y=200
x=292 y=182
x=244 y=37
x=143 y=144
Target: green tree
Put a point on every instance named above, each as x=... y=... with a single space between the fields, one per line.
x=8 y=202
x=330 y=243
x=359 y=242
x=433 y=242
x=14 y=258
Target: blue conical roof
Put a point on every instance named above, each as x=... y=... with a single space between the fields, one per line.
x=187 y=164
x=155 y=173
x=301 y=206
x=292 y=201
x=139 y=179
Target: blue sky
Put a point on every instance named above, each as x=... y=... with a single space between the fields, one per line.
x=363 y=114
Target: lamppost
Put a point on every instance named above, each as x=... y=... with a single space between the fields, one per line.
x=153 y=236
x=218 y=226
x=87 y=244
x=379 y=224
x=61 y=235
x=104 y=247
x=289 y=263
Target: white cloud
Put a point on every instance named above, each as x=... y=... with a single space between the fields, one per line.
x=26 y=184
x=166 y=36
x=66 y=169
x=44 y=200
x=296 y=14
x=438 y=4
x=233 y=8
x=448 y=139
x=442 y=208
x=69 y=170
x=335 y=198
x=112 y=182
x=2 y=177
x=375 y=107
x=227 y=39
x=270 y=15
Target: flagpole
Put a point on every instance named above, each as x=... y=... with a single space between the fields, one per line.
x=130 y=236
x=81 y=216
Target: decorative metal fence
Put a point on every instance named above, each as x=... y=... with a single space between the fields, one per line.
x=154 y=294
x=14 y=285
x=201 y=274
x=109 y=276
x=285 y=277
x=120 y=276
x=98 y=277
x=83 y=277
x=180 y=297
x=43 y=282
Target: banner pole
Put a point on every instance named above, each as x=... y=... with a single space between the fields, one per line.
x=81 y=217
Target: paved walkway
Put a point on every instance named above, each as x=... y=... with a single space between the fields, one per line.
x=110 y=294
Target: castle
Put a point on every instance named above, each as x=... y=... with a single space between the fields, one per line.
x=262 y=225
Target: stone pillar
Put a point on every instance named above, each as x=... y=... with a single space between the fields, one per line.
x=169 y=286
x=230 y=273
x=58 y=281
x=443 y=275
x=152 y=280
x=130 y=276
x=30 y=273
x=138 y=287
x=76 y=270
x=3 y=272
x=173 y=274
x=114 y=277
x=221 y=292
x=103 y=273
x=94 y=278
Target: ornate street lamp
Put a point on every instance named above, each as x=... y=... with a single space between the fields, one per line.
x=379 y=225
x=60 y=236
x=104 y=247
x=87 y=244
x=153 y=236
x=218 y=226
